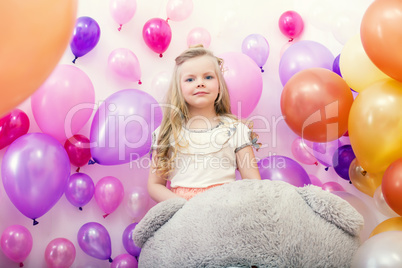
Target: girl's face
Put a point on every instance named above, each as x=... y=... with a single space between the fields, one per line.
x=199 y=83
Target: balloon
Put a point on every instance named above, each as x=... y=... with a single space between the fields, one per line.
x=301 y=154
x=345 y=25
x=364 y=181
x=291 y=24
x=282 y=168
x=160 y=85
x=381 y=204
x=178 y=10
x=60 y=253
x=303 y=55
x=122 y=11
x=128 y=241
x=124 y=63
x=197 y=36
x=109 y=193
x=316 y=103
x=332 y=186
x=392 y=186
x=244 y=82
x=12 y=126
x=80 y=189
x=157 y=35
x=94 y=240
x=86 y=36
x=256 y=47
x=335 y=65
x=314 y=180
x=78 y=150
x=137 y=114
x=374 y=112
x=381 y=35
x=69 y=96
x=342 y=159
x=16 y=243
x=383 y=250
x=35 y=171
x=137 y=203
x=25 y=67
x=391 y=224
x=124 y=261
x=356 y=68
x=324 y=151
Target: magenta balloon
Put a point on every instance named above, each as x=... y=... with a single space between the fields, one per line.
x=60 y=253
x=109 y=193
x=12 y=126
x=78 y=150
x=122 y=126
x=16 y=243
x=80 y=189
x=244 y=82
x=35 y=171
x=282 y=168
x=94 y=240
x=256 y=47
x=303 y=55
x=128 y=241
x=157 y=35
x=124 y=261
x=291 y=24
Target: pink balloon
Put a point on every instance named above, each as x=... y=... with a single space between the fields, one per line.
x=314 y=180
x=60 y=253
x=332 y=186
x=122 y=11
x=13 y=125
x=291 y=24
x=244 y=81
x=78 y=150
x=124 y=261
x=199 y=36
x=124 y=63
x=137 y=203
x=178 y=10
x=64 y=103
x=157 y=35
x=16 y=243
x=109 y=193
x=301 y=153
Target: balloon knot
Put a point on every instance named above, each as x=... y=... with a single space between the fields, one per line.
x=167 y=20
x=290 y=40
x=91 y=162
x=110 y=259
x=75 y=59
x=139 y=82
x=21 y=264
x=78 y=169
x=326 y=169
x=80 y=208
x=364 y=173
x=35 y=222
x=104 y=216
x=350 y=182
x=262 y=70
x=121 y=25
x=316 y=163
x=160 y=55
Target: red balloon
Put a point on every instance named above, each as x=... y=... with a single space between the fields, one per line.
x=391 y=186
x=78 y=150
x=13 y=125
x=316 y=103
x=157 y=35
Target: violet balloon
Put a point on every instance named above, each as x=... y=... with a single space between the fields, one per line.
x=157 y=35
x=122 y=126
x=128 y=241
x=282 y=168
x=256 y=47
x=78 y=150
x=60 y=253
x=16 y=243
x=86 y=36
x=124 y=63
x=124 y=261
x=342 y=159
x=291 y=24
x=35 y=171
x=94 y=240
x=335 y=65
x=12 y=126
x=109 y=193
x=80 y=189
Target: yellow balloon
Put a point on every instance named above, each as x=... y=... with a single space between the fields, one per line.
x=391 y=224
x=375 y=125
x=364 y=181
x=356 y=67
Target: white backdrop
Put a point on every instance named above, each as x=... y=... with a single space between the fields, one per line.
x=228 y=22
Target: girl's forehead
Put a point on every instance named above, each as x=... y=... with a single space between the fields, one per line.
x=198 y=64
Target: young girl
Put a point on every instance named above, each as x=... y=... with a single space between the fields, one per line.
x=199 y=143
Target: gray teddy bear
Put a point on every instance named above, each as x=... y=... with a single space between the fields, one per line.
x=251 y=223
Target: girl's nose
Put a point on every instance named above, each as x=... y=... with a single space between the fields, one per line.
x=201 y=85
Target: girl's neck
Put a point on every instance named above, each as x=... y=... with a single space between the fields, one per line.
x=202 y=120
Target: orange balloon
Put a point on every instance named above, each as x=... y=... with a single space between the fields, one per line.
x=391 y=224
x=364 y=181
x=381 y=36
x=34 y=35
x=391 y=186
x=315 y=103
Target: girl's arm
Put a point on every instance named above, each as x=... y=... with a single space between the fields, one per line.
x=157 y=185
x=247 y=163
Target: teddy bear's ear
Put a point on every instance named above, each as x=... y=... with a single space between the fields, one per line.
x=155 y=218
x=333 y=209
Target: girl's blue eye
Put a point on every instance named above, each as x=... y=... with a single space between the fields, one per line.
x=189 y=80
x=209 y=77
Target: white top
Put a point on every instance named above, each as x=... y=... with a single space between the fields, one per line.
x=208 y=157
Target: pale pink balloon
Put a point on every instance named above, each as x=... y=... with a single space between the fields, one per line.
x=314 y=180
x=16 y=243
x=109 y=193
x=198 y=36
x=137 y=203
x=124 y=63
x=382 y=205
x=301 y=153
x=60 y=253
x=178 y=10
x=122 y=11
x=332 y=186
x=64 y=103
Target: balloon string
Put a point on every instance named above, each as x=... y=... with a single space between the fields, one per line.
x=91 y=162
x=139 y=82
x=290 y=40
x=35 y=222
x=110 y=259
x=167 y=20
x=107 y=214
x=121 y=25
x=75 y=59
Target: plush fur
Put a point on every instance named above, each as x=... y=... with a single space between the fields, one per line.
x=250 y=223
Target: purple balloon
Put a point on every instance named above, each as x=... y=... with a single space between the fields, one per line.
x=335 y=66
x=122 y=127
x=80 y=189
x=342 y=159
x=303 y=55
x=128 y=241
x=282 y=168
x=94 y=240
x=256 y=47
x=85 y=36
x=124 y=261
x=35 y=171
